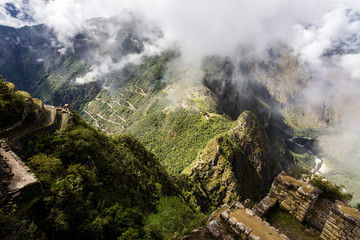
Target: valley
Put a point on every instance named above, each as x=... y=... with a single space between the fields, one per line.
x=111 y=131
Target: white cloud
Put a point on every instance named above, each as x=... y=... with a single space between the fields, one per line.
x=200 y=27
x=351 y=65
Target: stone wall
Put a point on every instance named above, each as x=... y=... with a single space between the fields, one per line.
x=343 y=222
x=295 y=196
x=247 y=225
x=22 y=185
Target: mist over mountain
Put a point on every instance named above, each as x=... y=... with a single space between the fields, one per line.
x=225 y=94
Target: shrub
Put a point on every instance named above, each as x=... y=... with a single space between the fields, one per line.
x=330 y=190
x=174 y=218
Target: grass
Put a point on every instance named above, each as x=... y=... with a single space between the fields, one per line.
x=200 y=103
x=352 y=211
x=291 y=227
x=305 y=160
x=177 y=136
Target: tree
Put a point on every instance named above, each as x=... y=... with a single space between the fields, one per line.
x=47 y=168
x=174 y=218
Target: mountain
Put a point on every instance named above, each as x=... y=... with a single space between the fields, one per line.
x=154 y=137
x=92 y=182
x=96 y=186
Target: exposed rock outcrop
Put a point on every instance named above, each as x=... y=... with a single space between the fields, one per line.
x=235 y=163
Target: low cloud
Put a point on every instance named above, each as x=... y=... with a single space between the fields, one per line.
x=200 y=27
x=324 y=34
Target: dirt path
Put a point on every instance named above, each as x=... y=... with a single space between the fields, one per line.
x=22 y=176
x=95 y=121
x=51 y=114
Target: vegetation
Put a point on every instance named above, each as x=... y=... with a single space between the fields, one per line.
x=290 y=226
x=331 y=190
x=12 y=105
x=174 y=218
x=96 y=187
x=177 y=137
x=13 y=227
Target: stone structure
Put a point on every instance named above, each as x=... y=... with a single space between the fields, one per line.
x=343 y=222
x=264 y=206
x=293 y=195
x=298 y=199
x=23 y=184
x=247 y=225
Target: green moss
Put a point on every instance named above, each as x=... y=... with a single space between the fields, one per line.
x=11 y=86
x=12 y=105
x=24 y=94
x=38 y=102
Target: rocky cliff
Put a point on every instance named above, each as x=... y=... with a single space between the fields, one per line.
x=235 y=163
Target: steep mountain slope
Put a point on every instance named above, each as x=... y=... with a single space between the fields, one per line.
x=93 y=183
x=160 y=101
x=236 y=162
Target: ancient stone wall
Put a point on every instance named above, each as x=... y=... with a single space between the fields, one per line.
x=293 y=195
x=22 y=185
x=343 y=222
x=247 y=225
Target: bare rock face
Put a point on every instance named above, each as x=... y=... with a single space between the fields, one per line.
x=218 y=231
x=235 y=163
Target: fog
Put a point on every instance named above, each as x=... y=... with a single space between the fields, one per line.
x=324 y=34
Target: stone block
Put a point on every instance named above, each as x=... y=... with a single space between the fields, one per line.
x=215 y=228
x=284 y=237
x=249 y=212
x=248 y=230
x=254 y=237
x=232 y=221
x=239 y=205
x=240 y=226
x=224 y=216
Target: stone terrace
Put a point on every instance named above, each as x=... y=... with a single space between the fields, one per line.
x=295 y=196
x=343 y=222
x=247 y=225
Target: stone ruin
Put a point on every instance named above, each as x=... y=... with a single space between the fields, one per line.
x=19 y=184
x=247 y=225
x=298 y=199
x=295 y=196
x=343 y=222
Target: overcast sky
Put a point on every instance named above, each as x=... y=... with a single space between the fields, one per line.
x=203 y=26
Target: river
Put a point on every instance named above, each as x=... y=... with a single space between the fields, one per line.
x=320 y=165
